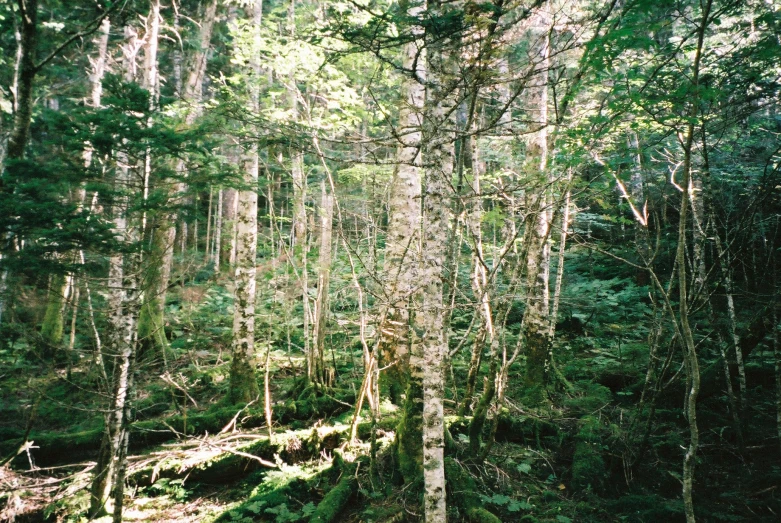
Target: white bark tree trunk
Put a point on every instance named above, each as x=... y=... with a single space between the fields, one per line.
x=323 y=280
x=243 y=383
x=536 y=317
x=230 y=208
x=120 y=345
x=404 y=219
x=690 y=349
x=218 y=233
x=429 y=339
x=428 y=336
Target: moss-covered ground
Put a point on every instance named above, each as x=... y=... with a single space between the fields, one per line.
x=585 y=454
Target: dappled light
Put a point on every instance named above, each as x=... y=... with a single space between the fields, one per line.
x=376 y=261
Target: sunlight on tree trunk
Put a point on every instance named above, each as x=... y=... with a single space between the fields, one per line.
x=243 y=382
x=536 y=316
x=404 y=218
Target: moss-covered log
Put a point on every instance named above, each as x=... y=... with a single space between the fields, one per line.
x=224 y=461
x=216 y=466
x=462 y=493
x=306 y=490
x=58 y=447
x=333 y=503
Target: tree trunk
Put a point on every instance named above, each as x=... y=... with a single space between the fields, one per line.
x=690 y=354
x=121 y=338
x=243 y=382
x=323 y=278
x=151 y=333
x=777 y=368
x=25 y=76
x=230 y=208
x=53 y=321
x=479 y=280
x=216 y=257
x=536 y=316
x=403 y=221
x=423 y=415
x=22 y=90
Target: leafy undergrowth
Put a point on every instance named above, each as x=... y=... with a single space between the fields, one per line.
x=588 y=454
x=576 y=462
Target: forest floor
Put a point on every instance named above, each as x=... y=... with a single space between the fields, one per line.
x=583 y=455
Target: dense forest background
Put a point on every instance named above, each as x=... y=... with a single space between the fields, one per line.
x=365 y=260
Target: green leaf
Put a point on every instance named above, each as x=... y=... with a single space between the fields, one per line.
x=499 y=499
x=516 y=506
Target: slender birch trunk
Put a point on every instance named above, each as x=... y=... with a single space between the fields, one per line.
x=403 y=218
x=323 y=280
x=301 y=246
x=536 y=317
x=207 y=252
x=216 y=257
x=230 y=208
x=724 y=262
x=432 y=345
x=428 y=348
x=243 y=382
x=565 y=218
x=690 y=349
x=121 y=338
x=479 y=280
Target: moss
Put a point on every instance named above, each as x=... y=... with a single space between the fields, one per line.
x=528 y=430
x=478 y=420
x=387 y=424
x=299 y=485
x=151 y=334
x=409 y=435
x=588 y=467
x=309 y=405
x=55 y=447
x=257 y=505
x=588 y=397
x=463 y=493
x=337 y=498
x=52 y=326
x=243 y=386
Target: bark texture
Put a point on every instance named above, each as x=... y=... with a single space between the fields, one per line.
x=25 y=77
x=323 y=281
x=123 y=310
x=243 y=382
x=401 y=241
x=536 y=332
x=424 y=404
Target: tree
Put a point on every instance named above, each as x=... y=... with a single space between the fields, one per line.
x=243 y=383
x=404 y=215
